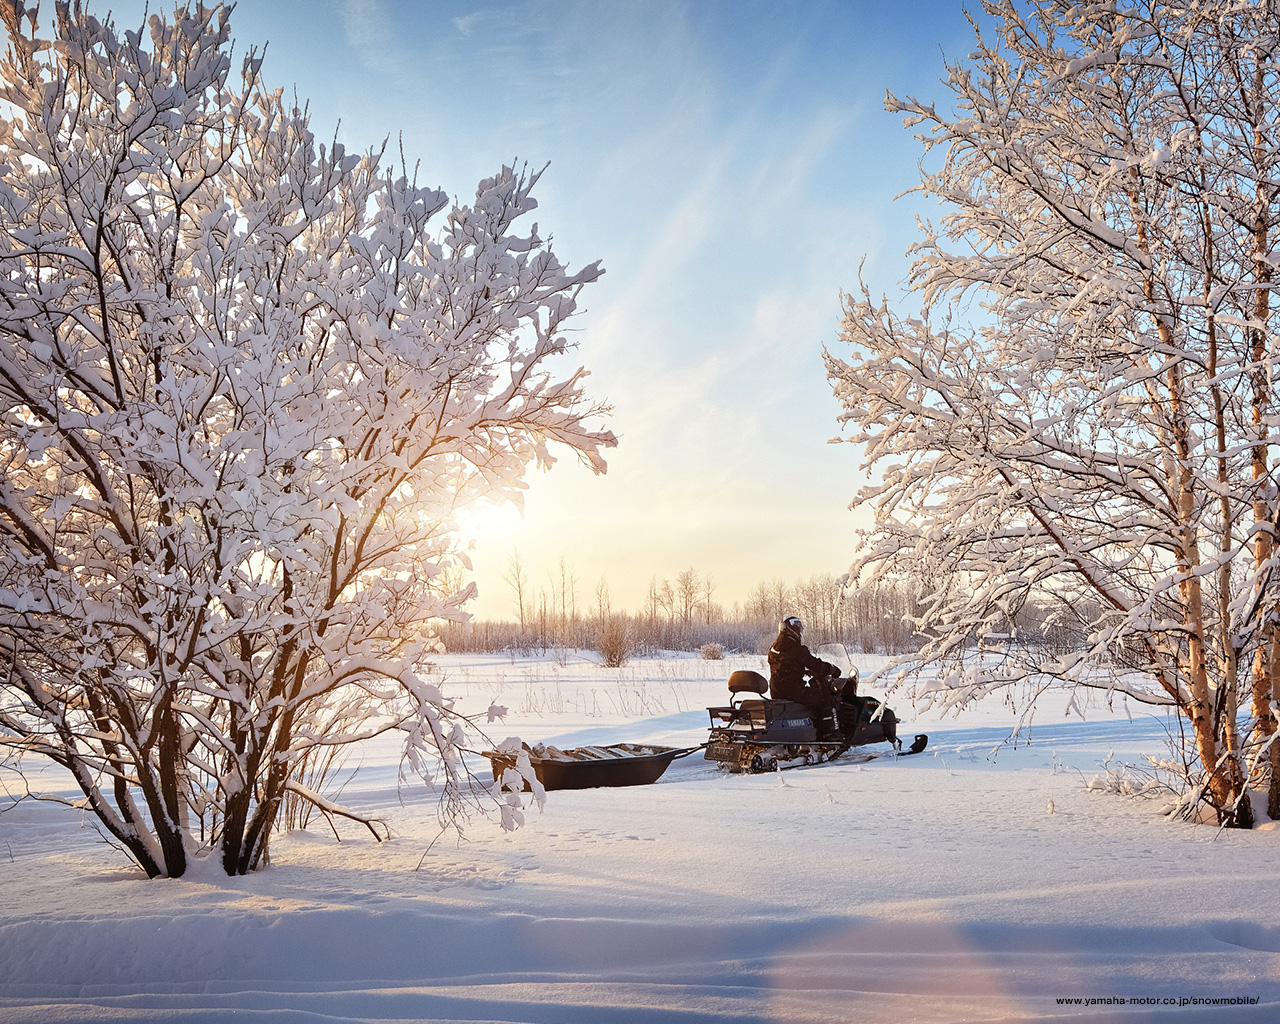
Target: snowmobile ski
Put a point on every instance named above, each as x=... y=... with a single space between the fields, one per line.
x=848 y=755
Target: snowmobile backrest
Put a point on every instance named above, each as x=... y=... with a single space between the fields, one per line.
x=746 y=681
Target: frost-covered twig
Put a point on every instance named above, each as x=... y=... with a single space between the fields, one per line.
x=331 y=809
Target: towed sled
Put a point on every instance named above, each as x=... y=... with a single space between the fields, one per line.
x=756 y=734
x=613 y=764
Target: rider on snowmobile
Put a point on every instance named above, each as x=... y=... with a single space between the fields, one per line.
x=795 y=674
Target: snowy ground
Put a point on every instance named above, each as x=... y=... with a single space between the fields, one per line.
x=933 y=888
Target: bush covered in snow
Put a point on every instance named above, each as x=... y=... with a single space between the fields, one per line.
x=247 y=380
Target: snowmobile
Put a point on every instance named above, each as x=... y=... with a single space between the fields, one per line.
x=758 y=734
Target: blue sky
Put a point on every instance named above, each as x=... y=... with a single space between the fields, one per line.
x=731 y=164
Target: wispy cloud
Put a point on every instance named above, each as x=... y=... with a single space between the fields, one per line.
x=370 y=31
x=467 y=23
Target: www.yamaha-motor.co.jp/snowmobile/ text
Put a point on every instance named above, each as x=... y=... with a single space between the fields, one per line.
x=757 y=734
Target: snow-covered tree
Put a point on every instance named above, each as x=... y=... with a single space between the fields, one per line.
x=246 y=381
x=1082 y=415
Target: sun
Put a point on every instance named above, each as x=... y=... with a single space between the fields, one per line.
x=485 y=521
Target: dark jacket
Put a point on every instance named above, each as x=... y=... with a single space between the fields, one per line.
x=792 y=670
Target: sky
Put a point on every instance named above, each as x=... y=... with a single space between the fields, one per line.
x=732 y=165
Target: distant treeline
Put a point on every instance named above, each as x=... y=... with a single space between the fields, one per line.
x=682 y=615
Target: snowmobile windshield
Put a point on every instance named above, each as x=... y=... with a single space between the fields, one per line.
x=837 y=656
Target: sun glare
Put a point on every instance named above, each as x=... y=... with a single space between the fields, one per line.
x=487 y=523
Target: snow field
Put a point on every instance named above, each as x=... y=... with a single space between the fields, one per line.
x=932 y=888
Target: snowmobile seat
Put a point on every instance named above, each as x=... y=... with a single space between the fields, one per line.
x=746 y=681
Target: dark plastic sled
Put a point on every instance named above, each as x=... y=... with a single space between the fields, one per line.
x=614 y=764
